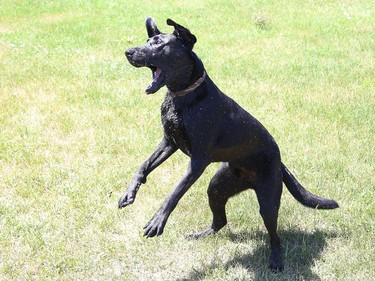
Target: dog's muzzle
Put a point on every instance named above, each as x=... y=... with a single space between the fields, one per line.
x=135 y=57
x=138 y=58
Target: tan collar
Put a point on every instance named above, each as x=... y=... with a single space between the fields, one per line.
x=189 y=89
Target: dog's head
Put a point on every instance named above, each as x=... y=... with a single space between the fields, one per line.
x=169 y=56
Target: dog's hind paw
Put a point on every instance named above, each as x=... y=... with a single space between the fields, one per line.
x=276 y=268
x=201 y=234
x=276 y=264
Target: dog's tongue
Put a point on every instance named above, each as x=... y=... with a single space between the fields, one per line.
x=157 y=75
x=156 y=82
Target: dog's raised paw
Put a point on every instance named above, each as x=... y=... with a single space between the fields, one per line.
x=125 y=200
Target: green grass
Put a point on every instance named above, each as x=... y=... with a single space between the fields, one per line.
x=75 y=125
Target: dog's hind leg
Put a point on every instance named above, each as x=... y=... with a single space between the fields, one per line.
x=269 y=193
x=222 y=186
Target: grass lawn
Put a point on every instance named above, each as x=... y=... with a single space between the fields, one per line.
x=75 y=125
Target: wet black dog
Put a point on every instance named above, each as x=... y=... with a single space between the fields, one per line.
x=208 y=126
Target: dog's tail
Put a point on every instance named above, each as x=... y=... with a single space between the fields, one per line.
x=302 y=195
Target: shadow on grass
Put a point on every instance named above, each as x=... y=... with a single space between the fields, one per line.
x=300 y=250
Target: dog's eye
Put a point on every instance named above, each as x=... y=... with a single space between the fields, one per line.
x=156 y=40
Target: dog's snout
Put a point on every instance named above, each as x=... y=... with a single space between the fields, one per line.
x=129 y=52
x=136 y=57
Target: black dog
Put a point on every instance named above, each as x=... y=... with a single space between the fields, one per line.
x=208 y=126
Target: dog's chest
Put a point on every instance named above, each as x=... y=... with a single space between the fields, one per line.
x=174 y=127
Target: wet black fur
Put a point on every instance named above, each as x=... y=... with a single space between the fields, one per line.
x=208 y=126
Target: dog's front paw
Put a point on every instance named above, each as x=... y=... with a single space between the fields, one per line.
x=126 y=199
x=155 y=226
x=129 y=195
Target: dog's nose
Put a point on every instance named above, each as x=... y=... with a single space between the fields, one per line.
x=129 y=52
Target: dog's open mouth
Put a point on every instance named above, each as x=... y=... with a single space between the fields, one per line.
x=158 y=80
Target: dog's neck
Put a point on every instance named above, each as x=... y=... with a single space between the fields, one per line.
x=190 y=88
x=197 y=70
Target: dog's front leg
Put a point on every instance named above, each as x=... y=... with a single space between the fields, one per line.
x=156 y=225
x=162 y=152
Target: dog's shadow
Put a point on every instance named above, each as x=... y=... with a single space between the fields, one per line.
x=300 y=250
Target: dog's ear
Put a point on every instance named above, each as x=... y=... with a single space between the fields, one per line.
x=183 y=34
x=151 y=27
